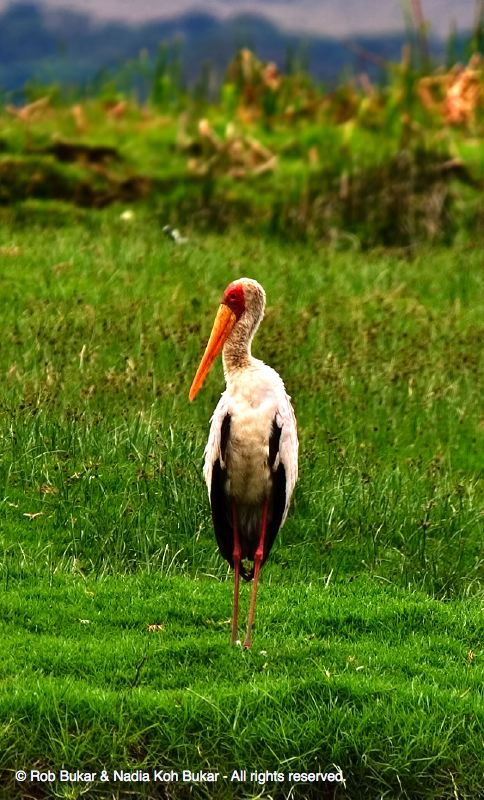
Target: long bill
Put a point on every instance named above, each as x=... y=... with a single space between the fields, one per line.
x=224 y=322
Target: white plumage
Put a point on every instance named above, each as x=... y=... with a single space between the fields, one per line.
x=254 y=398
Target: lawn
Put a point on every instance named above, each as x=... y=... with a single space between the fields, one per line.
x=115 y=605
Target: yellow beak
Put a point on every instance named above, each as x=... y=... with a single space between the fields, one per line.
x=224 y=322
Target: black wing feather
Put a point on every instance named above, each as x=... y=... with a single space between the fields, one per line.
x=278 y=498
x=224 y=435
x=278 y=503
x=274 y=440
x=221 y=516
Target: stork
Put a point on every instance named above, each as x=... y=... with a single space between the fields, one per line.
x=251 y=455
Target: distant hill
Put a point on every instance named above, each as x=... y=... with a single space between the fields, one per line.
x=320 y=17
x=69 y=47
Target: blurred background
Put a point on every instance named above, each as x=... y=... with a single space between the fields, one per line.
x=75 y=41
x=280 y=117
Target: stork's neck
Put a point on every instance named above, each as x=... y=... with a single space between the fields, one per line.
x=236 y=354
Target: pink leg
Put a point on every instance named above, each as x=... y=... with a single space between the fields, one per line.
x=236 y=556
x=259 y=555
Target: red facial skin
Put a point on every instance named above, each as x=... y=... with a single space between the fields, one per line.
x=234 y=298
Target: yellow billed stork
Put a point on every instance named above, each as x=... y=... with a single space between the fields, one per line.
x=251 y=455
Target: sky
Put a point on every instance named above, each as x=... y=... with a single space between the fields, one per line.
x=331 y=17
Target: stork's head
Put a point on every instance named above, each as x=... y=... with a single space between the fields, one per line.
x=245 y=296
x=243 y=301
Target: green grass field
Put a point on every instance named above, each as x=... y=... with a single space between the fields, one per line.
x=115 y=605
